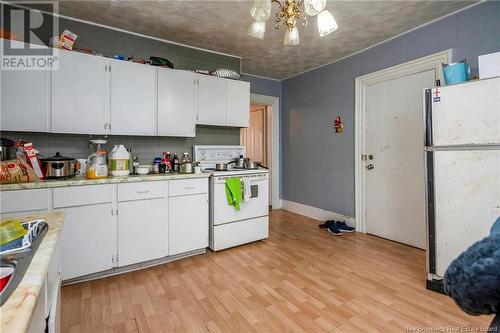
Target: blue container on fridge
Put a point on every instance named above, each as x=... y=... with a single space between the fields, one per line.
x=456 y=73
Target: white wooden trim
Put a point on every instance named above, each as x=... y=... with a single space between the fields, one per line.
x=316 y=213
x=275 y=144
x=423 y=64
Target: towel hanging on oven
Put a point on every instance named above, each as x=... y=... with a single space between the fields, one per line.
x=233 y=192
x=247 y=190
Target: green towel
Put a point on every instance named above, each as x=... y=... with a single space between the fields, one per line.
x=233 y=192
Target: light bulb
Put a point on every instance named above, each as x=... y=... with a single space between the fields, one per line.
x=261 y=10
x=292 y=36
x=326 y=23
x=257 y=29
x=313 y=7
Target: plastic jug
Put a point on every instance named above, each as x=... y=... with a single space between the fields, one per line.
x=119 y=160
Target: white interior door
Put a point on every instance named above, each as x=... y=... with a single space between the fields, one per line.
x=395 y=186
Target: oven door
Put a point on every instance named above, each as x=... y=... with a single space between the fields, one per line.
x=256 y=206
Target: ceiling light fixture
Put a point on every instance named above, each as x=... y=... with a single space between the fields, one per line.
x=290 y=12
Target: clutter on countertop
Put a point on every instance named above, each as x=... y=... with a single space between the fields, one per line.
x=97 y=166
x=31 y=155
x=82 y=181
x=17 y=171
x=186 y=165
x=119 y=159
x=58 y=167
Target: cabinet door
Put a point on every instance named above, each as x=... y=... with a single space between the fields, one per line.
x=88 y=240
x=187 y=223
x=133 y=109
x=177 y=103
x=142 y=231
x=80 y=94
x=238 y=103
x=25 y=100
x=211 y=100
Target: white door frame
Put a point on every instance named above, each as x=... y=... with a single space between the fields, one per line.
x=275 y=144
x=423 y=64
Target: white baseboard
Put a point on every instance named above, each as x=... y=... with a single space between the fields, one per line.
x=316 y=213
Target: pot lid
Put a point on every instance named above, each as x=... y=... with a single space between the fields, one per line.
x=58 y=157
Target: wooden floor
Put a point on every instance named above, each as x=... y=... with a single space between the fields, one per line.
x=301 y=279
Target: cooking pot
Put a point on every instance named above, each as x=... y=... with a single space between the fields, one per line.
x=7 y=149
x=221 y=167
x=58 y=166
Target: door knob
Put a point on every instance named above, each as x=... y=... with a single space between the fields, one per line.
x=370 y=166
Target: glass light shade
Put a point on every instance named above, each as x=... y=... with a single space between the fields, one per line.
x=261 y=10
x=313 y=7
x=326 y=23
x=292 y=36
x=257 y=29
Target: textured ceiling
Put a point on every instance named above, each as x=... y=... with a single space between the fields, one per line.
x=222 y=26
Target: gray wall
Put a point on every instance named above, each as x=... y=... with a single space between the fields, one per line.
x=146 y=148
x=263 y=86
x=318 y=165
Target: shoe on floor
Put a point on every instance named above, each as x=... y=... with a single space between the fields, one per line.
x=326 y=224
x=343 y=227
x=334 y=230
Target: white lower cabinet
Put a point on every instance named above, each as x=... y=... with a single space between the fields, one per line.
x=188 y=223
x=142 y=231
x=88 y=240
x=89 y=232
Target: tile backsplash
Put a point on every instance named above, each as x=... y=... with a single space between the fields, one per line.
x=144 y=147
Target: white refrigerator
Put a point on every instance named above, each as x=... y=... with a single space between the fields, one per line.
x=462 y=154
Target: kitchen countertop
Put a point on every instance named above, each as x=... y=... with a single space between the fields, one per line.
x=18 y=309
x=78 y=181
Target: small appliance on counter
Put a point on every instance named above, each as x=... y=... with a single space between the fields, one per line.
x=97 y=167
x=119 y=159
x=58 y=167
x=7 y=149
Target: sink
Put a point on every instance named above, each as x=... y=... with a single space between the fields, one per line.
x=14 y=264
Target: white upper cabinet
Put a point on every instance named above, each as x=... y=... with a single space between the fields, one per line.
x=177 y=103
x=211 y=100
x=133 y=104
x=20 y=110
x=238 y=103
x=80 y=94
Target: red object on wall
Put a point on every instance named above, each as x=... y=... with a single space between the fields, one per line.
x=338 y=125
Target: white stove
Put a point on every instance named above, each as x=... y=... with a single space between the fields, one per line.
x=230 y=227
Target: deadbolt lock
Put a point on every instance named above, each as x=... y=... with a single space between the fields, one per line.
x=370 y=166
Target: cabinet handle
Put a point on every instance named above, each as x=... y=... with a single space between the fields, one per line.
x=142 y=191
